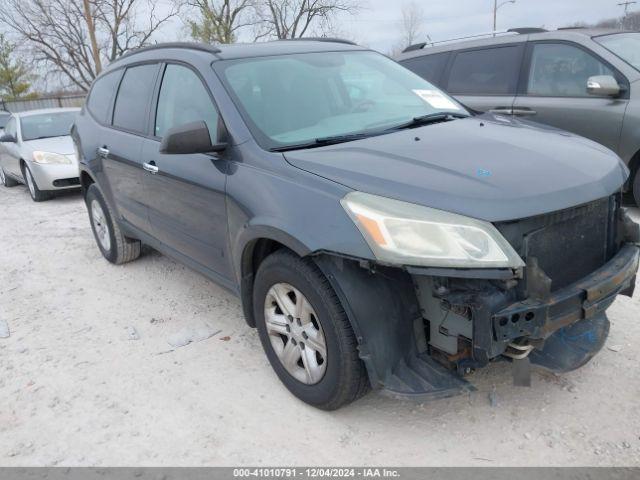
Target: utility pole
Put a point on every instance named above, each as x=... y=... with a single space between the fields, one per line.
x=496 y=7
x=626 y=11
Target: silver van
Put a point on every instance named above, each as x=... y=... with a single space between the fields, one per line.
x=580 y=80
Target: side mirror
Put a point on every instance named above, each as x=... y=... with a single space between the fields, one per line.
x=189 y=138
x=7 y=138
x=603 y=86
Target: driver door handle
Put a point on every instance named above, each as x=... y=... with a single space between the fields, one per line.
x=150 y=167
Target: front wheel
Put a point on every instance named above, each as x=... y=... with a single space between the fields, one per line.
x=37 y=195
x=306 y=334
x=113 y=245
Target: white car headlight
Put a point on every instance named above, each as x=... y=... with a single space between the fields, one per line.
x=48 y=158
x=410 y=234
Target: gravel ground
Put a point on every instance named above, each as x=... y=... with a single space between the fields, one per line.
x=88 y=377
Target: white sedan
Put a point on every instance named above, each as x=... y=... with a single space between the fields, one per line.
x=36 y=149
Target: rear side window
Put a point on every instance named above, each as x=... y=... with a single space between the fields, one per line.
x=101 y=94
x=429 y=67
x=130 y=111
x=184 y=99
x=493 y=71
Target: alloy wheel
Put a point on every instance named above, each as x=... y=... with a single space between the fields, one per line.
x=100 y=225
x=3 y=180
x=295 y=333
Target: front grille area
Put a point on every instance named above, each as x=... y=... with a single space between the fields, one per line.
x=569 y=244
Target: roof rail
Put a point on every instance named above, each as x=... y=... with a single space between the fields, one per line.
x=526 y=31
x=203 y=47
x=419 y=46
x=521 y=31
x=321 y=39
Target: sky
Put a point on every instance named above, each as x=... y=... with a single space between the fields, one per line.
x=377 y=25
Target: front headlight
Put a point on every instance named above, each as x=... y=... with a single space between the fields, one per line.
x=410 y=234
x=48 y=158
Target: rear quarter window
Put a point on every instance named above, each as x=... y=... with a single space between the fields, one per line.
x=429 y=67
x=492 y=71
x=99 y=102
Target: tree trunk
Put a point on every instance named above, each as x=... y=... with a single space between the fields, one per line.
x=92 y=36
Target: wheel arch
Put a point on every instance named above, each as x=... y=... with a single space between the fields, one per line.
x=85 y=181
x=260 y=242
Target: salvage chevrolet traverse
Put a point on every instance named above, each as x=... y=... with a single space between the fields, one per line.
x=378 y=234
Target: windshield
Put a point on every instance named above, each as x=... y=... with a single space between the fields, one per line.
x=4 y=118
x=46 y=125
x=297 y=99
x=624 y=45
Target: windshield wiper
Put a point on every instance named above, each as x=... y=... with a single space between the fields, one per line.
x=428 y=119
x=322 y=141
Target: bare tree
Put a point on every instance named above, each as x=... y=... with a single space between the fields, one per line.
x=299 y=18
x=91 y=27
x=411 y=27
x=412 y=24
x=129 y=24
x=58 y=33
x=221 y=21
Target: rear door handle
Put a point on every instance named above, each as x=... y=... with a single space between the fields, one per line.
x=150 y=167
x=103 y=152
x=502 y=111
x=524 y=112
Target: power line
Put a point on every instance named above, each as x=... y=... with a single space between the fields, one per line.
x=626 y=11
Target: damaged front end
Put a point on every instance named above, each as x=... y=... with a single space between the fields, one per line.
x=420 y=329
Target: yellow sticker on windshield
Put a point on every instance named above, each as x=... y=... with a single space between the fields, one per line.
x=436 y=99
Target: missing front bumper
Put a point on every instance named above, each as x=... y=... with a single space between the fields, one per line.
x=588 y=298
x=407 y=356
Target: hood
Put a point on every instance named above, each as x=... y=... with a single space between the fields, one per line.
x=489 y=167
x=61 y=145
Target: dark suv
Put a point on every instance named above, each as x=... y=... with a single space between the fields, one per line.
x=376 y=232
x=584 y=81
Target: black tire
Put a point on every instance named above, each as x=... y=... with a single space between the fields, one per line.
x=6 y=180
x=120 y=248
x=636 y=187
x=345 y=378
x=36 y=194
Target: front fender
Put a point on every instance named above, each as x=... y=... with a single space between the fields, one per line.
x=286 y=205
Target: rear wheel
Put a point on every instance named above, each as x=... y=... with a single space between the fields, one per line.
x=37 y=195
x=113 y=245
x=6 y=180
x=306 y=334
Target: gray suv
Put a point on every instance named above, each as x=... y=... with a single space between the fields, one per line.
x=583 y=81
x=377 y=233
